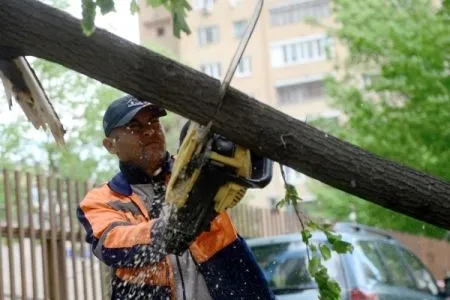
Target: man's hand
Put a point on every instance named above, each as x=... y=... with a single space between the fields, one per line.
x=183 y=225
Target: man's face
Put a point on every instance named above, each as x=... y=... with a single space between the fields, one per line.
x=141 y=142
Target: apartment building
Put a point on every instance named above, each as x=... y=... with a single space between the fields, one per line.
x=283 y=66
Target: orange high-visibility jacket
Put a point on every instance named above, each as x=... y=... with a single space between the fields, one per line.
x=217 y=265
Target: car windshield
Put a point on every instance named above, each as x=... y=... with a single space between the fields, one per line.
x=285 y=266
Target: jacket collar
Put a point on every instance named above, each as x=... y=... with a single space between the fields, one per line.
x=121 y=182
x=120 y=185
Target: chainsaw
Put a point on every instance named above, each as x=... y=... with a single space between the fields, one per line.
x=209 y=163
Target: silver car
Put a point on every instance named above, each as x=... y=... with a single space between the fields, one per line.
x=379 y=268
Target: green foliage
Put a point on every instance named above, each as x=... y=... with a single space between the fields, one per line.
x=178 y=9
x=80 y=102
x=290 y=197
x=394 y=89
x=88 y=12
x=328 y=288
x=335 y=205
x=134 y=7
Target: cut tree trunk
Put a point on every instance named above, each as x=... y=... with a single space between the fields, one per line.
x=29 y=27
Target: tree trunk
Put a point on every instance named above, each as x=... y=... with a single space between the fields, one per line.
x=29 y=27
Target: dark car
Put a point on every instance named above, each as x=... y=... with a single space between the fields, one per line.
x=379 y=268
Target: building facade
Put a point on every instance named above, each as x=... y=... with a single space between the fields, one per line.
x=283 y=66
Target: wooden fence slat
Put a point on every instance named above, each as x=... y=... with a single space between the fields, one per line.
x=61 y=240
x=82 y=244
x=53 y=246
x=19 y=206
x=32 y=234
x=2 y=281
x=9 y=234
x=91 y=260
x=43 y=238
x=70 y=198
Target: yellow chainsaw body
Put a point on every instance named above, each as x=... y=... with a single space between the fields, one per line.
x=184 y=176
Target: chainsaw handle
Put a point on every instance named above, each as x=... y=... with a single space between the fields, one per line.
x=261 y=173
x=265 y=176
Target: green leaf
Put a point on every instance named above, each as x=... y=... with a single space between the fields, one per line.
x=312 y=225
x=106 y=6
x=306 y=236
x=180 y=24
x=342 y=247
x=327 y=227
x=281 y=203
x=328 y=288
x=134 y=7
x=314 y=266
x=325 y=251
x=155 y=3
x=291 y=194
x=332 y=237
x=88 y=16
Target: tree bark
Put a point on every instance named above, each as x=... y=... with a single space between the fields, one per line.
x=29 y=27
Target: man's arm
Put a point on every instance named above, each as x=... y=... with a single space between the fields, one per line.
x=115 y=240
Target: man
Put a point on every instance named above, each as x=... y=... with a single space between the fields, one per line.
x=128 y=223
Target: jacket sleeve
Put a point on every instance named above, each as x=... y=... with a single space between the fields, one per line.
x=115 y=240
x=223 y=256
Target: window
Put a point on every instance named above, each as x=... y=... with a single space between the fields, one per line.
x=423 y=279
x=307 y=49
x=245 y=67
x=239 y=28
x=334 y=267
x=208 y=35
x=397 y=271
x=160 y=31
x=285 y=266
x=212 y=69
x=295 y=13
x=206 y=5
x=370 y=262
x=300 y=92
x=292 y=272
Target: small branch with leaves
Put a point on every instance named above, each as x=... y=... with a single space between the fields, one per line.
x=328 y=288
x=178 y=9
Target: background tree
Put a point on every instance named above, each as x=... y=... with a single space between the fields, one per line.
x=80 y=102
x=395 y=94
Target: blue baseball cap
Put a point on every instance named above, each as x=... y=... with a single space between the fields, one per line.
x=121 y=111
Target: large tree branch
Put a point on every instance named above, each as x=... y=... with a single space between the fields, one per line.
x=33 y=28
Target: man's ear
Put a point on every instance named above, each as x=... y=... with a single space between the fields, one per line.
x=110 y=144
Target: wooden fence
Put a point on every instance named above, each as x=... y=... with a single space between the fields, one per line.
x=43 y=254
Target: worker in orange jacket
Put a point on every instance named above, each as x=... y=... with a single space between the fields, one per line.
x=126 y=222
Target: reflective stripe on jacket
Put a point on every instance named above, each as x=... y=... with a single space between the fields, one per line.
x=125 y=237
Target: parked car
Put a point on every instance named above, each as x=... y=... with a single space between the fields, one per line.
x=379 y=268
